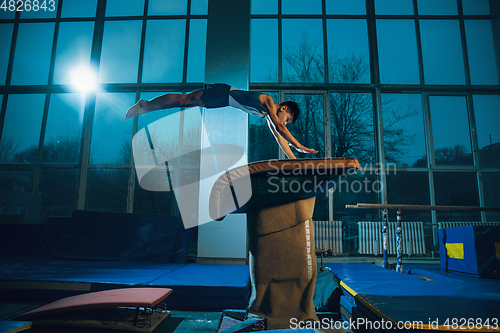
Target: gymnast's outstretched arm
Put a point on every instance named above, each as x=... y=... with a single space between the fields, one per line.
x=270 y=107
x=282 y=142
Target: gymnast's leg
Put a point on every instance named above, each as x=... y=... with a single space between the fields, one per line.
x=166 y=101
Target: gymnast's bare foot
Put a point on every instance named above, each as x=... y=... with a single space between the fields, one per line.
x=137 y=109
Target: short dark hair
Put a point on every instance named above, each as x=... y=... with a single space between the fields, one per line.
x=293 y=108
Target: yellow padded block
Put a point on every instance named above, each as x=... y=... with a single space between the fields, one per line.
x=455 y=250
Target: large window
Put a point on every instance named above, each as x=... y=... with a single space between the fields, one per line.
x=107 y=190
x=351 y=118
x=406 y=85
x=266 y=148
x=264 y=50
x=309 y=129
x=33 y=38
x=481 y=52
x=5 y=41
x=487 y=112
x=164 y=37
x=442 y=52
x=62 y=149
x=15 y=192
x=73 y=49
x=450 y=130
x=119 y=60
x=57 y=192
x=348 y=56
x=397 y=51
x=404 y=134
x=303 y=54
x=112 y=133
x=21 y=128
x=63 y=130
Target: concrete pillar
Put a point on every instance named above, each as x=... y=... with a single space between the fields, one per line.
x=227 y=61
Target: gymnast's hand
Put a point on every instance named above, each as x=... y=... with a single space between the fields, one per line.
x=306 y=150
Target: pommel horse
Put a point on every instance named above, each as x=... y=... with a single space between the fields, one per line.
x=280 y=228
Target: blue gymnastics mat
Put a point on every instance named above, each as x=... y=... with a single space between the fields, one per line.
x=93 y=272
x=377 y=294
x=214 y=287
x=14 y=326
x=226 y=286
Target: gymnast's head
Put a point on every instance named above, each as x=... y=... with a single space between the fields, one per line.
x=288 y=112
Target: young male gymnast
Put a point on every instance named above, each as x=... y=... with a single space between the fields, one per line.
x=221 y=95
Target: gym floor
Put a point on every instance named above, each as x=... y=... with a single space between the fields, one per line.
x=178 y=322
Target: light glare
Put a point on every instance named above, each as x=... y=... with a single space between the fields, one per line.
x=83 y=79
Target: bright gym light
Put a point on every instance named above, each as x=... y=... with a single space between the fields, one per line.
x=84 y=79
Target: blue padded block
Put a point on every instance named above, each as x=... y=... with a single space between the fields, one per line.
x=49 y=270
x=347 y=303
x=403 y=297
x=207 y=278
x=431 y=271
x=220 y=286
x=421 y=308
x=194 y=286
x=480 y=255
x=436 y=273
x=14 y=326
x=366 y=278
x=366 y=272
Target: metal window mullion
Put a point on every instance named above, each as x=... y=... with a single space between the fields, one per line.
x=281 y=98
x=280 y=45
x=15 y=32
x=50 y=81
x=473 y=130
x=143 y=43
x=372 y=42
x=495 y=25
x=328 y=145
x=186 y=43
x=108 y=166
x=479 y=179
x=465 y=53
x=385 y=88
x=428 y=130
x=325 y=43
x=475 y=150
x=17 y=167
x=430 y=163
x=434 y=220
x=131 y=174
x=294 y=86
x=131 y=187
x=3 y=109
x=327 y=124
x=88 y=117
x=58 y=166
x=88 y=120
x=36 y=170
x=418 y=38
x=378 y=126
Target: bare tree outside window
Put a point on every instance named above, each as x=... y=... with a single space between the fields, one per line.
x=351 y=114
